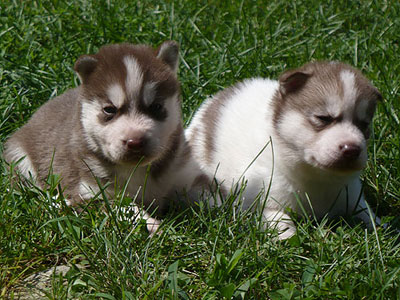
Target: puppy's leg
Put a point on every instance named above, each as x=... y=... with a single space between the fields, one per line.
x=365 y=214
x=280 y=221
x=152 y=224
x=87 y=191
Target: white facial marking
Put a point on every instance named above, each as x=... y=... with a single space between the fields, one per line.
x=349 y=92
x=149 y=92
x=302 y=135
x=25 y=166
x=90 y=110
x=116 y=95
x=134 y=77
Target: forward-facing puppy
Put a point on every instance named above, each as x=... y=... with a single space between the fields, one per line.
x=318 y=120
x=126 y=113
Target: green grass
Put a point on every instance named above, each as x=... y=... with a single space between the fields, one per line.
x=205 y=253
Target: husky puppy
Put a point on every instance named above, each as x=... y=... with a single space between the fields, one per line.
x=299 y=142
x=125 y=114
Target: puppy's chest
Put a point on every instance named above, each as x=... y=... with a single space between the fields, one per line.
x=321 y=195
x=140 y=184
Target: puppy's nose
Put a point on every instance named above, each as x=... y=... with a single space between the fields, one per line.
x=134 y=143
x=350 y=151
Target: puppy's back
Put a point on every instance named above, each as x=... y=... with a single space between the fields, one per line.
x=51 y=124
x=232 y=127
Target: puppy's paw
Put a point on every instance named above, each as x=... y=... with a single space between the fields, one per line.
x=281 y=222
x=287 y=233
x=153 y=226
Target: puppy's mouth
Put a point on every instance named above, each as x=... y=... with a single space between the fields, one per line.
x=347 y=167
x=341 y=165
x=137 y=157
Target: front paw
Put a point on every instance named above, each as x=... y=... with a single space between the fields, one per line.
x=153 y=226
x=281 y=222
x=287 y=232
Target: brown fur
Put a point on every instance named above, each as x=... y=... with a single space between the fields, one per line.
x=175 y=142
x=211 y=118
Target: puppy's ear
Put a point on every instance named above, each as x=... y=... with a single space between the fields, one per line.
x=168 y=52
x=84 y=66
x=292 y=81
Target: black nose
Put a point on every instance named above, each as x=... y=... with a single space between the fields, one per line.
x=350 y=151
x=135 y=143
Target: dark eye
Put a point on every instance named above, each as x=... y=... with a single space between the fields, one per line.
x=324 y=119
x=156 y=107
x=157 y=110
x=110 y=111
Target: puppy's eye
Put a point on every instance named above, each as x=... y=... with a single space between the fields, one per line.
x=157 y=110
x=324 y=119
x=110 y=111
x=156 y=107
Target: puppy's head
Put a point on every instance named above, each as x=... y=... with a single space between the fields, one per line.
x=130 y=103
x=322 y=114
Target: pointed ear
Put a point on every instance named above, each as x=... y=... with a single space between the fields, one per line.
x=292 y=81
x=84 y=66
x=168 y=52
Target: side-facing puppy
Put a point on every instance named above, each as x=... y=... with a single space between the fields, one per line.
x=318 y=120
x=126 y=112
